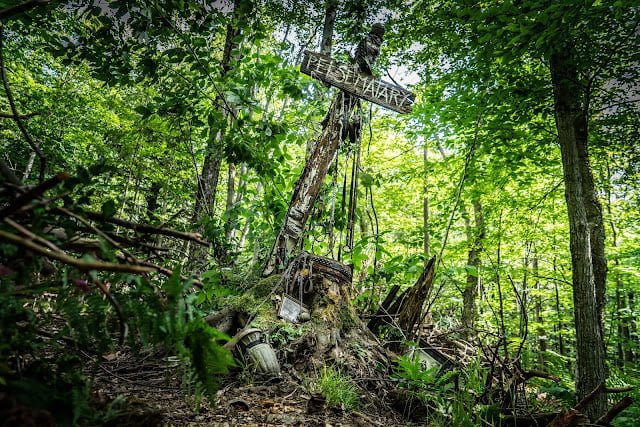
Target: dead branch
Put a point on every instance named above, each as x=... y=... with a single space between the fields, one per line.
x=99 y=232
x=618 y=389
x=166 y=272
x=124 y=328
x=42 y=203
x=148 y=229
x=568 y=418
x=572 y=416
x=33 y=193
x=32 y=235
x=526 y=375
x=606 y=419
x=21 y=8
x=74 y=262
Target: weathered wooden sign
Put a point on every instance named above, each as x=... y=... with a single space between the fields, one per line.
x=350 y=79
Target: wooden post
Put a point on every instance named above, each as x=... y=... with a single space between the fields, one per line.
x=356 y=81
x=308 y=185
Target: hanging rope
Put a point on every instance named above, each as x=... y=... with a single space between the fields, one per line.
x=353 y=191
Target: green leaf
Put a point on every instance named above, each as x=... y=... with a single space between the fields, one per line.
x=109 y=208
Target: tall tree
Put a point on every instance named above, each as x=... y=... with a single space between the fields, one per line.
x=586 y=47
x=586 y=229
x=475 y=236
x=207 y=185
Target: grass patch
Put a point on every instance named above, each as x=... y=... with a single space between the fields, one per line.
x=338 y=389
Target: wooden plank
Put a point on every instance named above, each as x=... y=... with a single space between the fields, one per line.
x=350 y=79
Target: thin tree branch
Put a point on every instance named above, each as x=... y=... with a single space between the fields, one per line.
x=20 y=117
x=168 y=273
x=74 y=262
x=33 y=193
x=148 y=229
x=606 y=419
x=16 y=116
x=99 y=232
x=124 y=328
x=33 y=236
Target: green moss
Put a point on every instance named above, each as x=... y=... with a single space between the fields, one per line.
x=265 y=286
x=347 y=318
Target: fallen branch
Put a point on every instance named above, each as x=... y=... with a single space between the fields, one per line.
x=99 y=232
x=166 y=272
x=606 y=419
x=33 y=236
x=539 y=374
x=74 y=262
x=572 y=416
x=148 y=229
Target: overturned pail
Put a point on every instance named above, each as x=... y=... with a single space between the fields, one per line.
x=261 y=354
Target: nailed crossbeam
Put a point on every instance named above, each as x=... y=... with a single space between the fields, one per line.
x=350 y=79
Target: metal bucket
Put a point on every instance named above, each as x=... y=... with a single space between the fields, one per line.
x=260 y=353
x=264 y=358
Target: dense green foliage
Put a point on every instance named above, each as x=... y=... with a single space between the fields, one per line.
x=129 y=98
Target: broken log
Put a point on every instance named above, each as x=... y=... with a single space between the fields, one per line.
x=382 y=315
x=606 y=419
x=411 y=310
x=406 y=311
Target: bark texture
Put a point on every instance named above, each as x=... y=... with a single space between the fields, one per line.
x=330 y=13
x=476 y=236
x=585 y=226
x=208 y=180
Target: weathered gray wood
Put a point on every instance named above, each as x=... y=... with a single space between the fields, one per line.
x=350 y=79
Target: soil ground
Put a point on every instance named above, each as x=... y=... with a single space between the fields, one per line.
x=151 y=384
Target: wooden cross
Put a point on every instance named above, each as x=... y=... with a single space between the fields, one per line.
x=348 y=78
x=354 y=84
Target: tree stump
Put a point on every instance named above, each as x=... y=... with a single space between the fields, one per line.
x=336 y=333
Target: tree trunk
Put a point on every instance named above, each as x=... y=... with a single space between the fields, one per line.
x=542 y=335
x=152 y=201
x=327 y=29
x=585 y=227
x=476 y=236
x=425 y=206
x=208 y=180
x=231 y=198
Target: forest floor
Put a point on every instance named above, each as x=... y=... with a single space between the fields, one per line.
x=149 y=386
